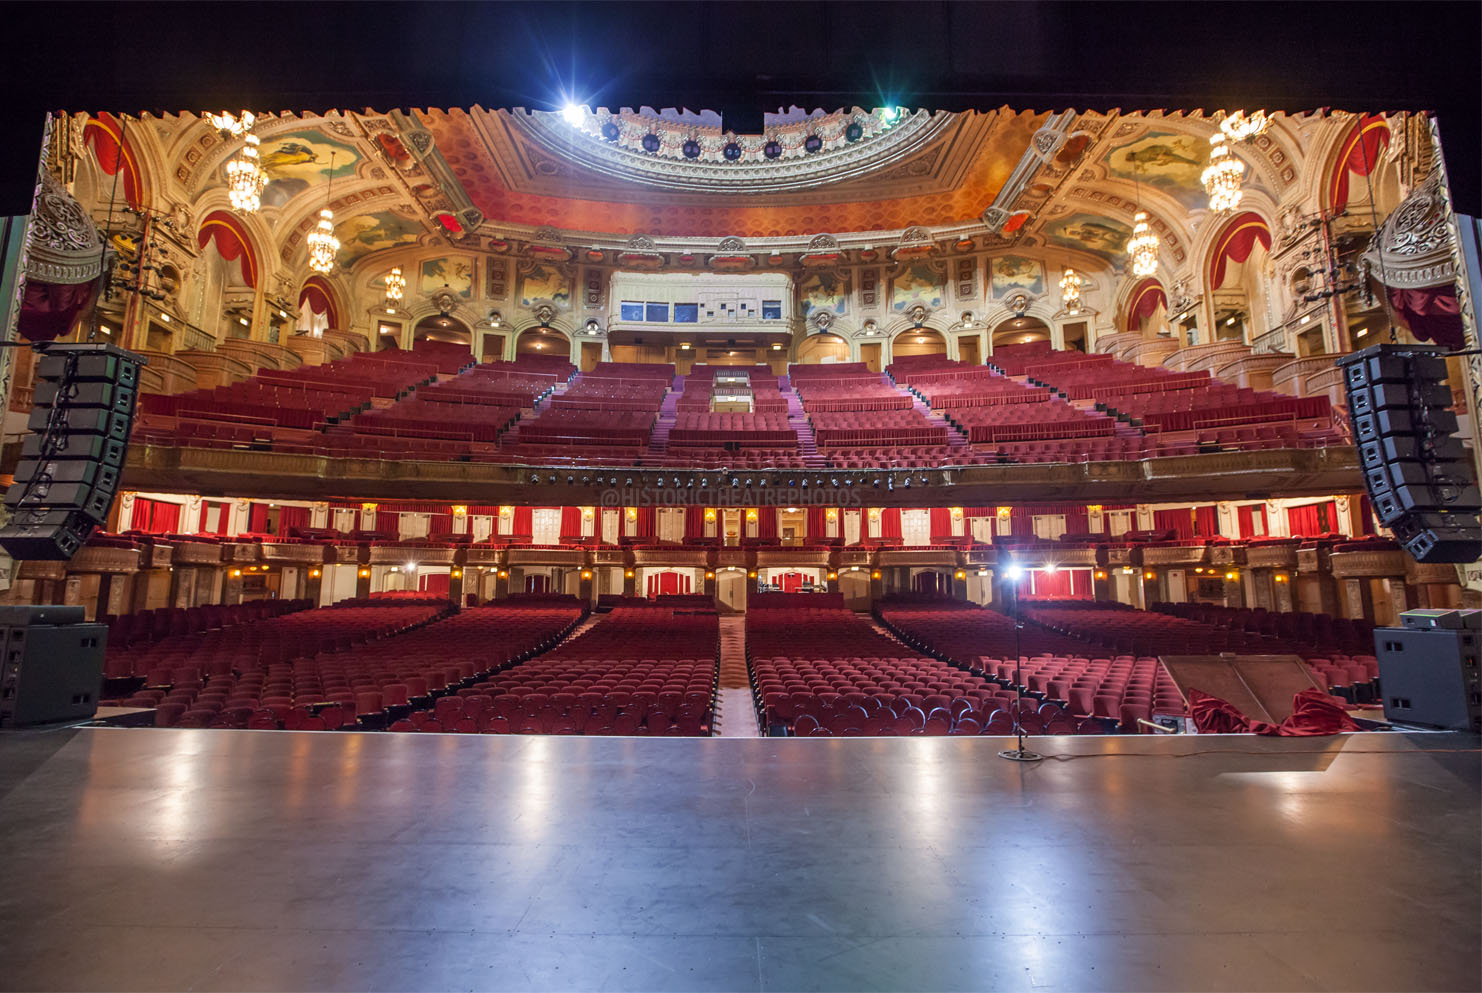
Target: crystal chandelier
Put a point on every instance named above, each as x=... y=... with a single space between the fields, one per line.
x=1222 y=177
x=1240 y=126
x=322 y=243
x=245 y=177
x=1070 y=290
x=1143 y=246
x=230 y=124
x=396 y=285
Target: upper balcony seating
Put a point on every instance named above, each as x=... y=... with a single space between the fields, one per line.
x=745 y=430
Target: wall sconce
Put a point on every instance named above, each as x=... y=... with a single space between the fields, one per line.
x=585 y=574
x=831 y=514
x=460 y=511
x=1093 y=508
x=1280 y=577
x=874 y=513
x=751 y=514
x=709 y=513
x=457 y=573
x=1100 y=574
x=506 y=511
x=1232 y=576
x=313 y=573
x=369 y=508
x=1150 y=576
x=364 y=573
x=632 y=513
x=236 y=572
x=832 y=576
x=503 y=574
x=709 y=575
x=1003 y=513
x=875 y=574
x=752 y=574
x=957 y=513
x=629 y=574
x=961 y=574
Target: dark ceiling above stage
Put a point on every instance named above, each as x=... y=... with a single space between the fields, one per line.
x=741 y=59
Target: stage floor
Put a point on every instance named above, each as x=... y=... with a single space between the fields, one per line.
x=219 y=860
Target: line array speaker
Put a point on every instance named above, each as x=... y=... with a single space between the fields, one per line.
x=1416 y=471
x=73 y=459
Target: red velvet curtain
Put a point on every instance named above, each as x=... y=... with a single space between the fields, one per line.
x=766 y=522
x=1206 y=522
x=1080 y=584
x=434 y=583
x=1249 y=516
x=522 y=526
x=1358 y=154
x=817 y=523
x=257 y=518
x=1312 y=520
x=1021 y=522
x=439 y=524
x=223 y=519
x=1431 y=314
x=941 y=522
x=890 y=522
x=570 y=523
x=155 y=516
x=48 y=310
x=537 y=584
x=646 y=522
x=1178 y=520
x=1078 y=521
x=1045 y=584
x=292 y=519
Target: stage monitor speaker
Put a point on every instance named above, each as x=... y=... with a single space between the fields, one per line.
x=1430 y=677
x=72 y=461
x=1418 y=475
x=52 y=666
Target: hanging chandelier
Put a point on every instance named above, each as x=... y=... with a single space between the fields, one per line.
x=1240 y=126
x=1222 y=177
x=245 y=177
x=1070 y=290
x=230 y=124
x=396 y=285
x=1143 y=246
x=322 y=243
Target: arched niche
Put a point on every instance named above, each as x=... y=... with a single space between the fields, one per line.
x=442 y=328
x=1147 y=308
x=1236 y=279
x=820 y=348
x=918 y=341
x=1021 y=330
x=542 y=341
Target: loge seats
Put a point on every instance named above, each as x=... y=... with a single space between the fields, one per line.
x=145 y=626
x=824 y=672
x=640 y=670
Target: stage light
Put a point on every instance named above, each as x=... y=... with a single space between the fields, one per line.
x=890 y=114
x=411 y=567
x=573 y=114
x=1014 y=573
x=1050 y=567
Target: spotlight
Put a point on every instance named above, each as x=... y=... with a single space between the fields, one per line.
x=704 y=481
x=552 y=479
x=573 y=114
x=924 y=479
x=1050 y=567
x=833 y=481
x=889 y=483
x=1014 y=572
x=535 y=479
x=748 y=480
x=585 y=480
x=877 y=482
x=805 y=482
x=735 y=480
x=792 y=482
x=629 y=481
x=570 y=480
x=908 y=482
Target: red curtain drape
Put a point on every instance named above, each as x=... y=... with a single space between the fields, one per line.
x=439 y=524
x=1312 y=520
x=223 y=519
x=114 y=149
x=155 y=516
x=1431 y=314
x=1021 y=522
x=257 y=518
x=941 y=522
x=1078 y=521
x=1249 y=516
x=48 y=310
x=522 y=525
x=817 y=523
x=1080 y=584
x=766 y=522
x=1236 y=242
x=694 y=522
x=292 y=519
x=1178 y=520
x=537 y=584
x=1055 y=585
x=1206 y=522
x=1358 y=155
x=570 y=522
x=435 y=583
x=890 y=522
x=646 y=522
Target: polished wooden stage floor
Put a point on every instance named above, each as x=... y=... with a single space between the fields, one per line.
x=207 y=860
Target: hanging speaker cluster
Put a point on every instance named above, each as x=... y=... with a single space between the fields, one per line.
x=72 y=459
x=1417 y=473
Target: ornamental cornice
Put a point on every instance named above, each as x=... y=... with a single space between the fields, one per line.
x=1271 y=557
x=1413 y=246
x=1359 y=565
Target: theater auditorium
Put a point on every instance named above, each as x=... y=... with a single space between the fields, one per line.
x=468 y=451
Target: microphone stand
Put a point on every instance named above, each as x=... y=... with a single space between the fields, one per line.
x=1019 y=754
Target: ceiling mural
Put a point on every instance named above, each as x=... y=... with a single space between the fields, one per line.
x=1169 y=162
x=514 y=179
x=1015 y=274
x=1091 y=233
x=301 y=159
x=374 y=232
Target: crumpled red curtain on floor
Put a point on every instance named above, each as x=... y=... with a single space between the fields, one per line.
x=1313 y=713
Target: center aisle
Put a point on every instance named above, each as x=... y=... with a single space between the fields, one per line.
x=736 y=711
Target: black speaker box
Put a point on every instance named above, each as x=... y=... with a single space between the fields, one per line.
x=1393 y=364
x=105 y=450
x=82 y=420
x=46 y=535
x=1430 y=678
x=91 y=394
x=1396 y=448
x=1402 y=421
x=52 y=667
x=1440 y=537
x=1418 y=487
x=90 y=363
x=1382 y=396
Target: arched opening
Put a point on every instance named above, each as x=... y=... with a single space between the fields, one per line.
x=224 y=298
x=442 y=328
x=317 y=310
x=822 y=348
x=542 y=341
x=1020 y=331
x=1147 y=309
x=1236 y=280
x=919 y=341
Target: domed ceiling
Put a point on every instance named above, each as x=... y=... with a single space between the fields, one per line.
x=543 y=169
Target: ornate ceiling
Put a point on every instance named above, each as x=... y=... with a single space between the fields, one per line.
x=929 y=170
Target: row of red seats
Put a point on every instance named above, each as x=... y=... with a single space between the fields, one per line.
x=125 y=630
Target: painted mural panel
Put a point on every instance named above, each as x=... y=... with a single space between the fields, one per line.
x=454 y=273
x=301 y=159
x=823 y=291
x=1091 y=233
x=1170 y=162
x=365 y=233
x=916 y=284
x=545 y=283
x=1016 y=274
